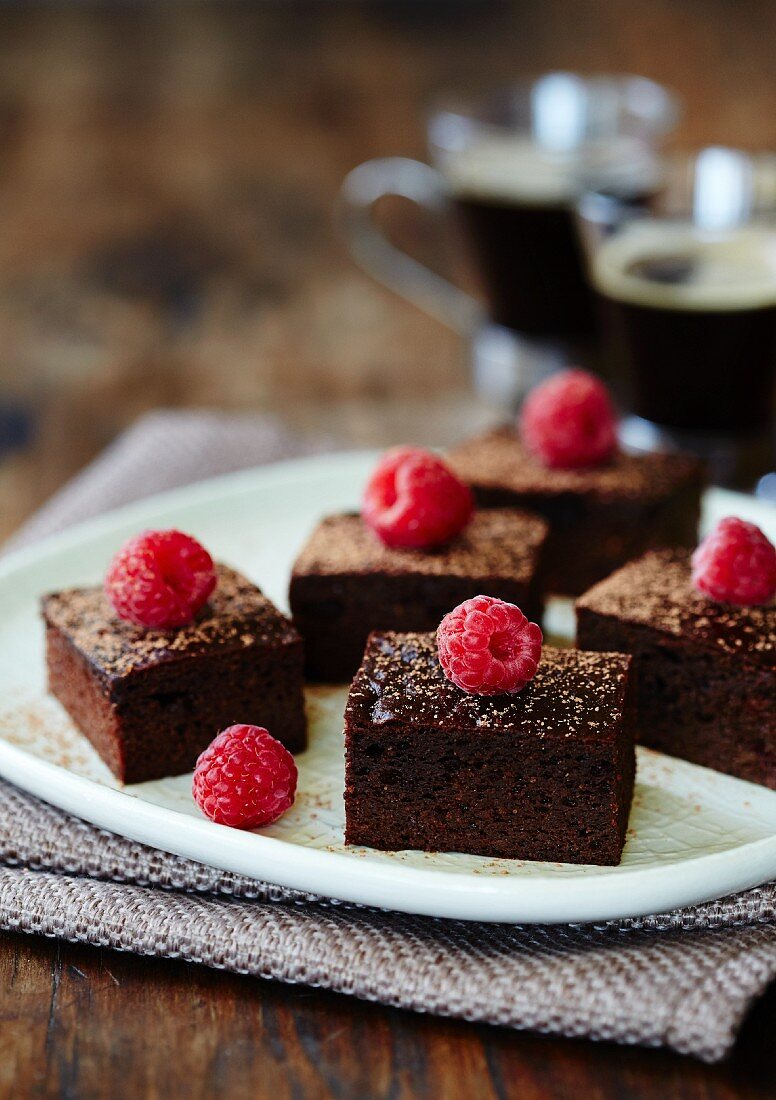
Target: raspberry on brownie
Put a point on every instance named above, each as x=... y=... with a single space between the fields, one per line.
x=705 y=670
x=346 y=582
x=412 y=499
x=488 y=646
x=160 y=579
x=150 y=700
x=544 y=773
x=736 y=564
x=569 y=421
x=561 y=460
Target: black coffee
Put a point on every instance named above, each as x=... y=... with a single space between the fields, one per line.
x=695 y=323
x=531 y=266
x=515 y=202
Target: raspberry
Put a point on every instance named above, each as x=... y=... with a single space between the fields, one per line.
x=160 y=579
x=412 y=499
x=488 y=647
x=736 y=563
x=245 y=778
x=569 y=421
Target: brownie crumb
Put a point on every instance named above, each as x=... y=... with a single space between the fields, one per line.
x=705 y=671
x=346 y=583
x=573 y=694
x=499 y=458
x=600 y=517
x=150 y=701
x=494 y=543
x=657 y=591
x=544 y=774
x=237 y=614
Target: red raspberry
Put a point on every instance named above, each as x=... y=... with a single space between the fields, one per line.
x=245 y=778
x=413 y=499
x=569 y=421
x=488 y=647
x=160 y=579
x=736 y=563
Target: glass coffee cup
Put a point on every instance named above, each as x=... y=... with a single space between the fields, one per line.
x=688 y=296
x=511 y=170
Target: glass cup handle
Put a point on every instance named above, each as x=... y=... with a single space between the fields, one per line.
x=421 y=184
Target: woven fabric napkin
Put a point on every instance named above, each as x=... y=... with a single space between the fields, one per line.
x=683 y=979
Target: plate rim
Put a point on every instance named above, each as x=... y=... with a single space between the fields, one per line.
x=415 y=890
x=540 y=900
x=184 y=496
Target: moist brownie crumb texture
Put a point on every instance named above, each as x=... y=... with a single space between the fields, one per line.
x=151 y=701
x=600 y=517
x=706 y=671
x=545 y=774
x=346 y=583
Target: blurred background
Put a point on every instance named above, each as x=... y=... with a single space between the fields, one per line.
x=168 y=173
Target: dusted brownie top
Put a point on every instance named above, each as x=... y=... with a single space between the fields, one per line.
x=236 y=615
x=498 y=460
x=497 y=543
x=573 y=694
x=656 y=591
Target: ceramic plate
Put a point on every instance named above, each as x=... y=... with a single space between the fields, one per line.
x=694 y=834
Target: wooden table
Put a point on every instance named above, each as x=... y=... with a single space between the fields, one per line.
x=166 y=182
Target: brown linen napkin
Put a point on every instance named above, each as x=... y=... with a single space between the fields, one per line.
x=683 y=979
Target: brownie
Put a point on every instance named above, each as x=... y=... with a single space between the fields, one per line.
x=705 y=671
x=150 y=700
x=599 y=517
x=544 y=774
x=346 y=583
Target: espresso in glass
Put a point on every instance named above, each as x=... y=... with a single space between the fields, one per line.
x=694 y=315
x=512 y=168
x=516 y=204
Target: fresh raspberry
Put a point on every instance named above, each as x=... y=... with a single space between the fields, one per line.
x=569 y=421
x=413 y=499
x=160 y=579
x=245 y=778
x=488 y=647
x=736 y=563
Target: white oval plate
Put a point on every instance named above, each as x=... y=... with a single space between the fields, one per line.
x=694 y=834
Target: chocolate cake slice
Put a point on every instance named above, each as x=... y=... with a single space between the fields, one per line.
x=600 y=517
x=346 y=583
x=705 y=671
x=544 y=774
x=150 y=700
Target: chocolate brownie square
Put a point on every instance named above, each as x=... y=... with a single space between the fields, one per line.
x=544 y=774
x=346 y=583
x=150 y=700
x=599 y=517
x=705 y=671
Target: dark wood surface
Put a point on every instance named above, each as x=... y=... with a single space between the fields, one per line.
x=167 y=175
x=82 y=1022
